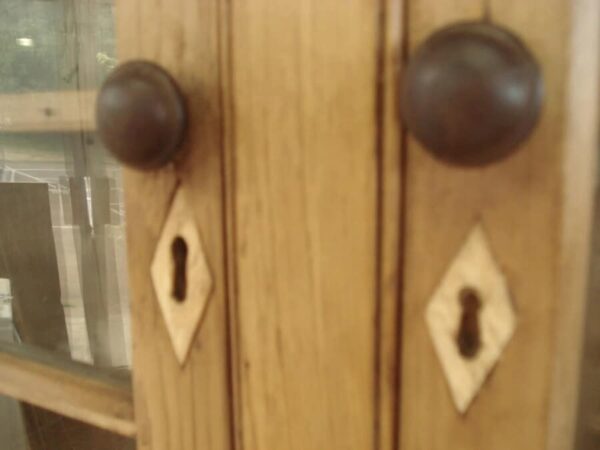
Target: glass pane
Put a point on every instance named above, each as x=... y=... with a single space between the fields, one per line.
x=63 y=283
x=23 y=427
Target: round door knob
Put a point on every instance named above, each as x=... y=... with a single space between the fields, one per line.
x=141 y=115
x=471 y=93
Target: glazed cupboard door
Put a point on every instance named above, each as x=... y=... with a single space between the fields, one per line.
x=65 y=354
x=350 y=225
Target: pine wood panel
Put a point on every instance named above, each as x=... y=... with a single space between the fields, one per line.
x=178 y=407
x=536 y=208
x=304 y=166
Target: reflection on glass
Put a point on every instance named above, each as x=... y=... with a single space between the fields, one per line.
x=23 y=427
x=63 y=280
x=55 y=44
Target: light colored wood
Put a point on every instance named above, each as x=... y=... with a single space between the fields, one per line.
x=473 y=268
x=303 y=138
x=68 y=111
x=178 y=407
x=182 y=316
x=535 y=208
x=579 y=172
x=63 y=386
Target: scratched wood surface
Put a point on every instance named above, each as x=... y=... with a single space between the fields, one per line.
x=178 y=407
x=536 y=207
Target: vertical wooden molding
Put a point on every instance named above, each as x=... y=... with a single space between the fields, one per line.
x=580 y=166
x=228 y=136
x=179 y=407
x=390 y=171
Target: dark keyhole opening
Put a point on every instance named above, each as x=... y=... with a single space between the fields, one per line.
x=468 y=338
x=179 y=250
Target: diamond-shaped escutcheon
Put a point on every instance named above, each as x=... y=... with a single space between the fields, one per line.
x=470 y=318
x=181 y=275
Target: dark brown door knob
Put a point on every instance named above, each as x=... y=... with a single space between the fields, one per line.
x=471 y=93
x=141 y=115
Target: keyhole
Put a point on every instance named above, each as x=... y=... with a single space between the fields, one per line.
x=179 y=251
x=468 y=339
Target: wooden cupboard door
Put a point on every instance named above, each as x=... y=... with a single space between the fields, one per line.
x=534 y=208
x=327 y=228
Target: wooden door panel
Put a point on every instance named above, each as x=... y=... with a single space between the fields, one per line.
x=535 y=207
x=322 y=216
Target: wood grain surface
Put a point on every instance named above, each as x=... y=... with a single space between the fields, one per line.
x=536 y=207
x=178 y=407
x=304 y=101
